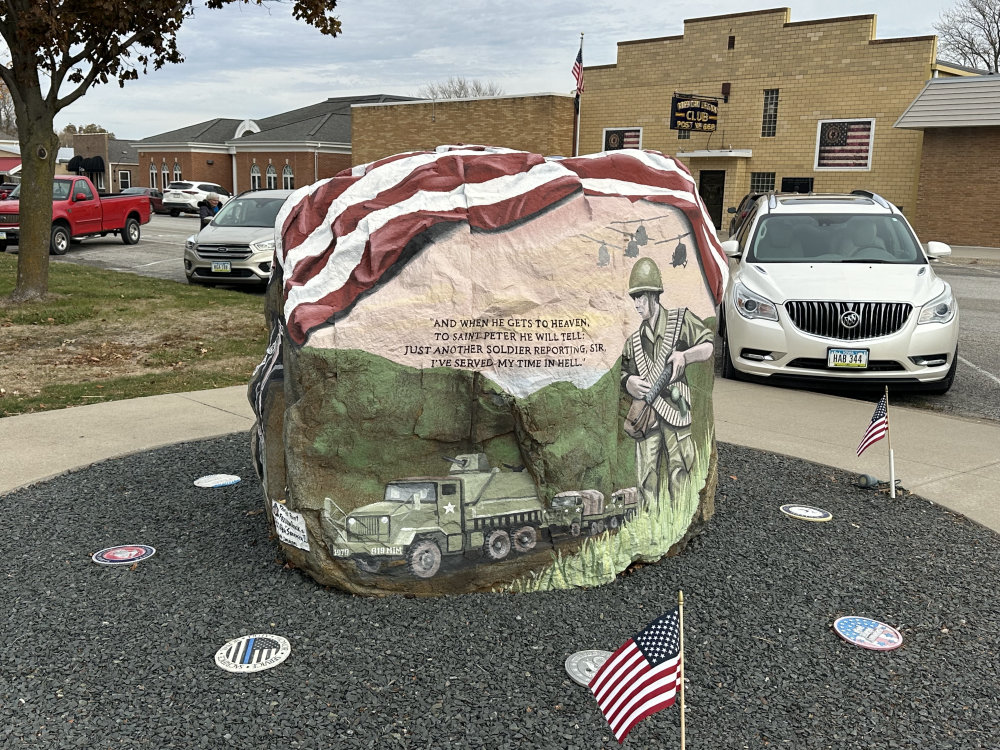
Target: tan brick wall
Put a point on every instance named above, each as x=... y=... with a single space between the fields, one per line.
x=542 y=124
x=827 y=69
x=959 y=183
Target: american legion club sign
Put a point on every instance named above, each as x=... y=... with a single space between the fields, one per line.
x=489 y=370
x=690 y=112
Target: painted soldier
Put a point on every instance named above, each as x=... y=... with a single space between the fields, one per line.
x=654 y=362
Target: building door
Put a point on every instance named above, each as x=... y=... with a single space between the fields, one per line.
x=712 y=188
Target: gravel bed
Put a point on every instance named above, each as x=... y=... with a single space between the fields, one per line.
x=106 y=657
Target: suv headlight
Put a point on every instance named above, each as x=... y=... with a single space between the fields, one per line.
x=262 y=246
x=752 y=305
x=941 y=309
x=191 y=243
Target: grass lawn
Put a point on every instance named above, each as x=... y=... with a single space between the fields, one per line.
x=105 y=335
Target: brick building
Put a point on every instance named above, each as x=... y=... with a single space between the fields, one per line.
x=959 y=179
x=788 y=93
x=109 y=162
x=283 y=151
x=542 y=123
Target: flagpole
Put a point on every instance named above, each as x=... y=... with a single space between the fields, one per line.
x=888 y=439
x=579 y=106
x=680 y=610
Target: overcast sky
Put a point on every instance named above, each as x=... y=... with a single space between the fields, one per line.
x=252 y=62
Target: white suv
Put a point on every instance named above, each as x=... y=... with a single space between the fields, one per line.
x=185 y=196
x=837 y=287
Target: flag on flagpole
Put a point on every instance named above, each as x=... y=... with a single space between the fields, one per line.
x=879 y=426
x=642 y=676
x=578 y=71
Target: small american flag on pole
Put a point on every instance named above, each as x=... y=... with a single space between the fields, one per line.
x=642 y=676
x=879 y=426
x=578 y=70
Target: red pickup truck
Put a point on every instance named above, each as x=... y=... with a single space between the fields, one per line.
x=78 y=210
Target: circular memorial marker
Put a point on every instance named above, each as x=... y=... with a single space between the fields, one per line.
x=124 y=554
x=868 y=633
x=216 y=480
x=253 y=653
x=806 y=513
x=583 y=665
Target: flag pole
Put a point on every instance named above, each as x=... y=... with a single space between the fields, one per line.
x=888 y=439
x=579 y=106
x=680 y=610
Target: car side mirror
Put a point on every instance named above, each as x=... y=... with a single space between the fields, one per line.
x=731 y=248
x=731 y=210
x=938 y=249
x=80 y=197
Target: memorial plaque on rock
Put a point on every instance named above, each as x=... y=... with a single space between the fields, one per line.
x=489 y=370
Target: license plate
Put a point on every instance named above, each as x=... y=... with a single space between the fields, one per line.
x=221 y=266
x=847 y=358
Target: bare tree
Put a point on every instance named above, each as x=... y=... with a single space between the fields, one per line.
x=8 y=124
x=457 y=87
x=58 y=50
x=969 y=33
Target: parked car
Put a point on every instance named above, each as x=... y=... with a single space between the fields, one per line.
x=742 y=211
x=78 y=211
x=837 y=288
x=184 y=197
x=237 y=247
x=154 y=195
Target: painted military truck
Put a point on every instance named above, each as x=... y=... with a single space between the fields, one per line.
x=422 y=519
x=591 y=514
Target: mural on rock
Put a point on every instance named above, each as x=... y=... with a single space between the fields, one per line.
x=489 y=370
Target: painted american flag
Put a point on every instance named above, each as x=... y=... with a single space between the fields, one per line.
x=252 y=650
x=624 y=138
x=879 y=426
x=339 y=237
x=578 y=70
x=844 y=144
x=642 y=676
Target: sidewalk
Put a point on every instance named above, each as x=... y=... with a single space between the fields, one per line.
x=951 y=461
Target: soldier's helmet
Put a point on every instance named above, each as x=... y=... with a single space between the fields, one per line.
x=645 y=277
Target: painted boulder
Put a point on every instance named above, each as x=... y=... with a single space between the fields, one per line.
x=489 y=370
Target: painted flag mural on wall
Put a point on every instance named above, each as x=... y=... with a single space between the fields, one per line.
x=642 y=676
x=619 y=139
x=879 y=426
x=845 y=145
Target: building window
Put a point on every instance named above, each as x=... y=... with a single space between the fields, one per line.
x=272 y=177
x=761 y=182
x=255 y=177
x=177 y=172
x=622 y=138
x=732 y=42
x=844 y=144
x=124 y=179
x=796 y=184
x=166 y=175
x=152 y=175
x=287 y=178
x=769 y=122
x=683 y=135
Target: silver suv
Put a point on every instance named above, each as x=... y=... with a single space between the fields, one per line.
x=237 y=247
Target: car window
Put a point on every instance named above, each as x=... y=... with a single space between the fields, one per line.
x=833 y=238
x=179 y=186
x=249 y=212
x=83 y=187
x=60 y=190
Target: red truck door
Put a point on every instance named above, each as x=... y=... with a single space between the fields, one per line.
x=84 y=209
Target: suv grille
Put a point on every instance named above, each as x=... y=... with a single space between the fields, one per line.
x=224 y=252
x=825 y=319
x=9 y=218
x=367 y=528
